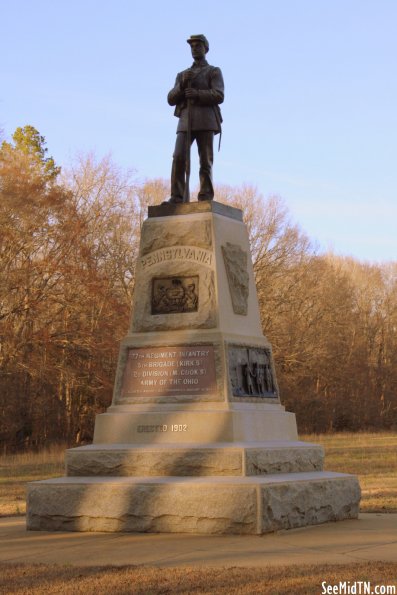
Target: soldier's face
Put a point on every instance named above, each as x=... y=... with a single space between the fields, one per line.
x=198 y=49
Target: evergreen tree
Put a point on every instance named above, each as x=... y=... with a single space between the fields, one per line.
x=29 y=142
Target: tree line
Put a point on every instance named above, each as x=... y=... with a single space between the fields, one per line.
x=68 y=244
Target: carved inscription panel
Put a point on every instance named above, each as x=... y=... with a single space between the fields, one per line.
x=251 y=372
x=169 y=371
x=183 y=253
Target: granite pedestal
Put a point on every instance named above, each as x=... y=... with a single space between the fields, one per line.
x=196 y=439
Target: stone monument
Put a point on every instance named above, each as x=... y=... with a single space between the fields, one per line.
x=196 y=439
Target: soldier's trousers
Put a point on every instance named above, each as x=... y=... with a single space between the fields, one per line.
x=205 y=141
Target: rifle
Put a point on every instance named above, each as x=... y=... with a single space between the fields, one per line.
x=186 y=194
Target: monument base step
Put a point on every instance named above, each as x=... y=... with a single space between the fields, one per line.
x=237 y=505
x=227 y=459
x=195 y=426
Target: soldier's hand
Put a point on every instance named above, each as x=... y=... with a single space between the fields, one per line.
x=191 y=93
x=187 y=76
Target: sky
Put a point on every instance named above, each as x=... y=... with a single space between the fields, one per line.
x=310 y=111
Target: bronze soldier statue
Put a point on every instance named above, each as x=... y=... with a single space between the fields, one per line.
x=197 y=93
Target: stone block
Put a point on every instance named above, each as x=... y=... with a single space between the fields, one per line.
x=233 y=459
x=141 y=505
x=218 y=505
x=198 y=426
x=192 y=245
x=288 y=459
x=302 y=499
x=146 y=462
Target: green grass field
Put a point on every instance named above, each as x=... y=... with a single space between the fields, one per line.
x=371 y=456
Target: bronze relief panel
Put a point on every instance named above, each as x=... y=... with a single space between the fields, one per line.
x=175 y=295
x=251 y=372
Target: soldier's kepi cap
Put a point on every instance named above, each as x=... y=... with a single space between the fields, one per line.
x=201 y=38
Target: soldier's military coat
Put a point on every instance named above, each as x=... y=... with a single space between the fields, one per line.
x=205 y=111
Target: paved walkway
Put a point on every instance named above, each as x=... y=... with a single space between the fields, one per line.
x=371 y=537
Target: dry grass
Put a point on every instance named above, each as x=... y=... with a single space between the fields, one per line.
x=17 y=470
x=140 y=580
x=371 y=456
